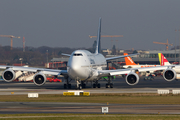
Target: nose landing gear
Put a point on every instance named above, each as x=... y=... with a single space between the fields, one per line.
x=80 y=84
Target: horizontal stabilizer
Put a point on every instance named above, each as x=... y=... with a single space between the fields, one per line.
x=66 y=54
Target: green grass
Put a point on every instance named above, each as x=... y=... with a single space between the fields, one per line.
x=94 y=98
x=98 y=98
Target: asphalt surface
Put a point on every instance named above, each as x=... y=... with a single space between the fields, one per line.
x=92 y=108
x=120 y=86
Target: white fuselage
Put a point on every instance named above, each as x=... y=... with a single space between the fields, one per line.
x=83 y=65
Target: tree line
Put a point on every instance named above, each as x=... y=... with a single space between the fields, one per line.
x=32 y=56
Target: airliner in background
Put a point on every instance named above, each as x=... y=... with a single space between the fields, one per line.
x=174 y=71
x=131 y=64
x=164 y=61
x=85 y=66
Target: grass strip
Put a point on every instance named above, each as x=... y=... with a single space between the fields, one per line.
x=98 y=98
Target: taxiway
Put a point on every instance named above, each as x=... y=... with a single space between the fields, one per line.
x=120 y=86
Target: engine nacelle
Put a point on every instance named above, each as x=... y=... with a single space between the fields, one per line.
x=39 y=79
x=132 y=78
x=9 y=75
x=169 y=74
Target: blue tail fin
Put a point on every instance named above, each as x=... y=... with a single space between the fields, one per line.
x=98 y=45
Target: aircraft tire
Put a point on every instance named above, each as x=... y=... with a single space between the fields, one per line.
x=111 y=85
x=69 y=86
x=98 y=85
x=65 y=86
x=83 y=85
x=107 y=85
x=80 y=87
x=94 y=85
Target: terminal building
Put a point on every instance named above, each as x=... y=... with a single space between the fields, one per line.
x=147 y=57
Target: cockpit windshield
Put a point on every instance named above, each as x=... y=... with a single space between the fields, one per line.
x=77 y=54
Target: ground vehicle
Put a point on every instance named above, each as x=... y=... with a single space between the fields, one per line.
x=53 y=79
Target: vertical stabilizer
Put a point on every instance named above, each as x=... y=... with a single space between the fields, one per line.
x=163 y=60
x=98 y=45
x=128 y=60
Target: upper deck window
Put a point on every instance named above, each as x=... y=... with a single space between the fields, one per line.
x=77 y=54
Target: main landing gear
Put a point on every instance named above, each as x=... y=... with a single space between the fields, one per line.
x=67 y=85
x=80 y=84
x=109 y=84
x=96 y=84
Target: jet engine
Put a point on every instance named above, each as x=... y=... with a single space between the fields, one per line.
x=132 y=78
x=169 y=74
x=9 y=75
x=39 y=79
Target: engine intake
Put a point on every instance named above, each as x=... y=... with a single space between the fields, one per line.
x=169 y=74
x=39 y=79
x=132 y=78
x=9 y=75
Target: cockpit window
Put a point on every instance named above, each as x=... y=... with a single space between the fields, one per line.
x=78 y=54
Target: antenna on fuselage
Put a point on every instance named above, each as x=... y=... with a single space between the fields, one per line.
x=98 y=45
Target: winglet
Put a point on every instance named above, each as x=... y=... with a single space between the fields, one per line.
x=98 y=45
x=163 y=61
x=128 y=60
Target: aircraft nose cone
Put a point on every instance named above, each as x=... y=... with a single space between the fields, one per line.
x=75 y=67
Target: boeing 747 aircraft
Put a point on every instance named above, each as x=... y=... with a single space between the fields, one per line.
x=84 y=66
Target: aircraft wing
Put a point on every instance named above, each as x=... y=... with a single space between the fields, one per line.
x=127 y=71
x=112 y=58
x=31 y=69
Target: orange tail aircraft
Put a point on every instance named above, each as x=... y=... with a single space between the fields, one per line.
x=131 y=64
x=128 y=60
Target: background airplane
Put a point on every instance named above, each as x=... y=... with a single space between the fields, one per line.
x=149 y=74
x=164 y=61
x=131 y=64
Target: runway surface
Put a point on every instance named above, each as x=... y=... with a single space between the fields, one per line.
x=96 y=108
x=120 y=86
